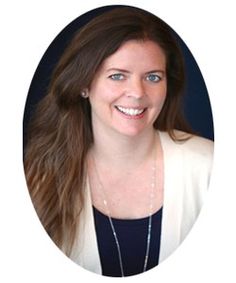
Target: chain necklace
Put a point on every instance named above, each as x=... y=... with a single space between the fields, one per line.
x=149 y=228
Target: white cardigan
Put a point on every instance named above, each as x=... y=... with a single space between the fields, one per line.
x=187 y=168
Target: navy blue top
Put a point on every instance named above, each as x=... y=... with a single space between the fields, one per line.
x=132 y=237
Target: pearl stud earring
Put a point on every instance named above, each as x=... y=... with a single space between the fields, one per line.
x=84 y=93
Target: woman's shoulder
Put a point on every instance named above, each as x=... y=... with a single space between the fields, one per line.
x=188 y=144
x=190 y=153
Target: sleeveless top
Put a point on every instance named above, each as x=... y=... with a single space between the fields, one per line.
x=132 y=237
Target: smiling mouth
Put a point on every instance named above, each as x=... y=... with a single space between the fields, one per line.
x=131 y=111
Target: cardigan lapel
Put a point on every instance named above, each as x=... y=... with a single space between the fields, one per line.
x=173 y=197
x=86 y=252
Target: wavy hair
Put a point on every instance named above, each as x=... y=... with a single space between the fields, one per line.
x=60 y=132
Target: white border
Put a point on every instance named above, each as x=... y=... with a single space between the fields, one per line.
x=27 y=28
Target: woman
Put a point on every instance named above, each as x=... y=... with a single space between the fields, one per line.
x=116 y=175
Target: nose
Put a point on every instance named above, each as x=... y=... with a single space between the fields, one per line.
x=136 y=88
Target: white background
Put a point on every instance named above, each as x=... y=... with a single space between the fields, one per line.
x=27 y=28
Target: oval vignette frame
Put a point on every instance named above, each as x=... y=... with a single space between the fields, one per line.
x=196 y=92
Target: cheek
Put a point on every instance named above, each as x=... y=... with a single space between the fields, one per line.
x=159 y=99
x=102 y=89
x=162 y=100
x=101 y=99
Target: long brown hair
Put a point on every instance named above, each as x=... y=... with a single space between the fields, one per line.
x=61 y=132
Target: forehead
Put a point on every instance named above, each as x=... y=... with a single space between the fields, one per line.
x=137 y=54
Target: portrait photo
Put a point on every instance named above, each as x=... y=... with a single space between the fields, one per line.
x=118 y=140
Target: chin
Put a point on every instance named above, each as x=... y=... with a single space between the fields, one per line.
x=132 y=131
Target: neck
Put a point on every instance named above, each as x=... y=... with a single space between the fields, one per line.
x=121 y=151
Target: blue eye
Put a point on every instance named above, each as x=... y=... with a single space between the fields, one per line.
x=153 y=78
x=117 y=77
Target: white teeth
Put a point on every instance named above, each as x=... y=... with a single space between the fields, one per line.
x=130 y=111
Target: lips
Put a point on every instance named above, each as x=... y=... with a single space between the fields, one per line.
x=131 y=111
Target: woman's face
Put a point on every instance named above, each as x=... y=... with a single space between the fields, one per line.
x=129 y=89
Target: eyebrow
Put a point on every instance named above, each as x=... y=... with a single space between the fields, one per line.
x=126 y=71
x=117 y=70
x=155 y=71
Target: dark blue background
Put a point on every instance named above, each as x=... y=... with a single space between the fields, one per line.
x=196 y=101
